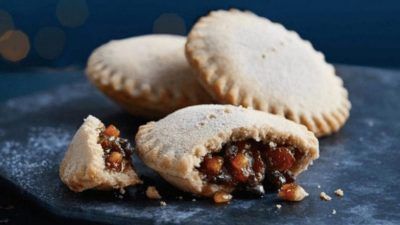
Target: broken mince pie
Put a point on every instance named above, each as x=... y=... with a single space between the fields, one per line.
x=98 y=158
x=212 y=150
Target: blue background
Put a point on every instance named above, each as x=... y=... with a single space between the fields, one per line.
x=351 y=32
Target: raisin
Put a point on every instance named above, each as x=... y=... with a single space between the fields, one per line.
x=280 y=159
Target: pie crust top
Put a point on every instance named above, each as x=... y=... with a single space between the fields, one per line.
x=175 y=145
x=147 y=75
x=244 y=59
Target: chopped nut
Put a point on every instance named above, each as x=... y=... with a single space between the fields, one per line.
x=222 y=197
x=213 y=165
x=339 y=192
x=162 y=203
x=111 y=130
x=278 y=206
x=152 y=193
x=324 y=196
x=292 y=192
x=115 y=157
x=333 y=212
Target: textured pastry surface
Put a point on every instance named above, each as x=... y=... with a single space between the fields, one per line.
x=175 y=145
x=83 y=166
x=244 y=59
x=147 y=75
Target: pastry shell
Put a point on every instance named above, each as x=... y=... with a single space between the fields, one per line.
x=83 y=165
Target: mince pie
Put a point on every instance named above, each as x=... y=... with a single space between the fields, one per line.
x=212 y=150
x=98 y=158
x=147 y=75
x=244 y=59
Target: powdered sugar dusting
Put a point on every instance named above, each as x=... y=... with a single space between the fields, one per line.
x=46 y=142
x=42 y=100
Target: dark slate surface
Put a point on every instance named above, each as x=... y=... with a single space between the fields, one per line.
x=362 y=159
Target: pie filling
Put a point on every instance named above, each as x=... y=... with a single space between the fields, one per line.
x=117 y=151
x=251 y=166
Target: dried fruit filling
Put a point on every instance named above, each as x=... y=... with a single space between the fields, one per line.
x=251 y=166
x=117 y=151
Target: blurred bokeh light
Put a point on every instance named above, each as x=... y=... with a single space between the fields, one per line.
x=72 y=13
x=170 y=23
x=49 y=42
x=14 y=45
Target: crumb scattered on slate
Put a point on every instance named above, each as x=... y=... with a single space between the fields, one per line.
x=193 y=200
x=278 y=206
x=180 y=197
x=324 y=196
x=339 y=192
x=162 y=203
x=319 y=186
x=122 y=191
x=152 y=193
x=334 y=212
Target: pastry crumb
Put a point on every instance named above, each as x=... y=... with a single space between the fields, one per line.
x=222 y=197
x=319 y=186
x=324 y=196
x=152 y=193
x=193 y=200
x=278 y=206
x=180 y=197
x=122 y=191
x=339 y=192
x=334 y=212
x=292 y=192
x=162 y=203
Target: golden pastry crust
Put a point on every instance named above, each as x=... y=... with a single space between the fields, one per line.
x=244 y=59
x=147 y=75
x=175 y=145
x=83 y=165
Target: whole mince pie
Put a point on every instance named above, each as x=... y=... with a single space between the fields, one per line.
x=125 y=71
x=98 y=158
x=213 y=150
x=245 y=59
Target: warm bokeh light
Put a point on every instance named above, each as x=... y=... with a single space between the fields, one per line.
x=170 y=23
x=6 y=22
x=14 y=45
x=49 y=42
x=72 y=13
